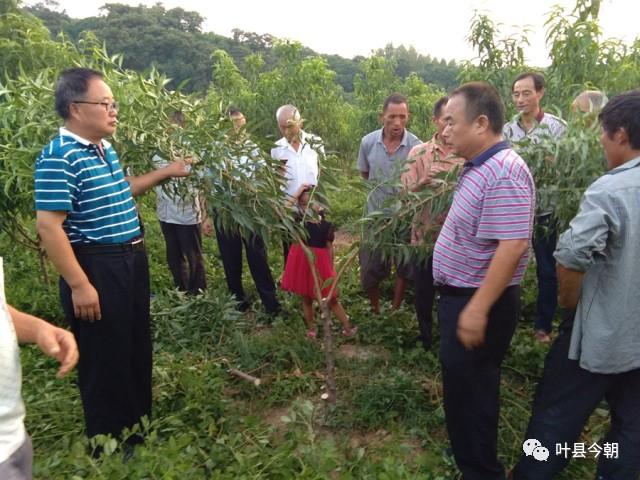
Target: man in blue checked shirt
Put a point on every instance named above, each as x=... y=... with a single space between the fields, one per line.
x=88 y=224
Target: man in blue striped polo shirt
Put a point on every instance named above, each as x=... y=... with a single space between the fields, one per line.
x=88 y=224
x=478 y=263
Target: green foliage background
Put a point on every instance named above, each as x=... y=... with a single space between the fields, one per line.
x=389 y=421
x=172 y=40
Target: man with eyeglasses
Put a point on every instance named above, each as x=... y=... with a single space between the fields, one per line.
x=88 y=223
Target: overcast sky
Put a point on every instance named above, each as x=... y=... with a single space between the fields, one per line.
x=349 y=28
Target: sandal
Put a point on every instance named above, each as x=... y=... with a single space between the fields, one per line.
x=350 y=332
x=312 y=334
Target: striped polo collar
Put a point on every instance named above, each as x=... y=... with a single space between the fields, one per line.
x=487 y=154
x=64 y=131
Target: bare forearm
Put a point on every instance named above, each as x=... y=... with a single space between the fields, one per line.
x=86 y=303
x=141 y=183
x=569 y=283
x=26 y=326
x=53 y=341
x=202 y=204
x=59 y=250
x=499 y=274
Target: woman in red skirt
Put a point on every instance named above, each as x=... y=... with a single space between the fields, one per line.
x=298 y=275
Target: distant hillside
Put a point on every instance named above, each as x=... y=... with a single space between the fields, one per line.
x=174 y=42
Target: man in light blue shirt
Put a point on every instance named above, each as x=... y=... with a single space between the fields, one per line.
x=596 y=356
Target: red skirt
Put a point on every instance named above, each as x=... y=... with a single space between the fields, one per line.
x=297 y=277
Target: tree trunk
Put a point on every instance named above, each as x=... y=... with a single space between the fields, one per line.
x=325 y=315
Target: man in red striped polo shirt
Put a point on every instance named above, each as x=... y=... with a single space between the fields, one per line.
x=478 y=263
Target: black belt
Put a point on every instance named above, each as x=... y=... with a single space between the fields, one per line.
x=136 y=245
x=457 y=291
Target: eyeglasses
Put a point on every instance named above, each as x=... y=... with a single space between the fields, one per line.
x=108 y=106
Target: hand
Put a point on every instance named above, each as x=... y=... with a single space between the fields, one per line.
x=472 y=325
x=86 y=303
x=207 y=227
x=303 y=187
x=59 y=344
x=179 y=168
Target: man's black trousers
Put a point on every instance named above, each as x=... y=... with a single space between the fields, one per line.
x=114 y=371
x=230 y=245
x=423 y=300
x=471 y=381
x=184 y=256
x=565 y=398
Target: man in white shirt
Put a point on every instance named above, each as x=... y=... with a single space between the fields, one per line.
x=298 y=151
x=15 y=445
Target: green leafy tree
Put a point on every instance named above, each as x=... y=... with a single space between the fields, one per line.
x=421 y=98
x=47 y=11
x=605 y=64
x=375 y=82
x=580 y=59
x=306 y=82
x=498 y=60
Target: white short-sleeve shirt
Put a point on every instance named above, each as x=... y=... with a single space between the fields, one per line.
x=12 y=431
x=172 y=209
x=302 y=165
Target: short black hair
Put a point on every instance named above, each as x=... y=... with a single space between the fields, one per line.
x=396 y=98
x=233 y=111
x=439 y=105
x=482 y=99
x=538 y=80
x=623 y=111
x=73 y=85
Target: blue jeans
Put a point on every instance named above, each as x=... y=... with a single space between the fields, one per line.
x=565 y=398
x=544 y=244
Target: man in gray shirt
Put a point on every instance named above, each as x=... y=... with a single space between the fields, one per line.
x=180 y=215
x=381 y=158
x=596 y=355
x=532 y=125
